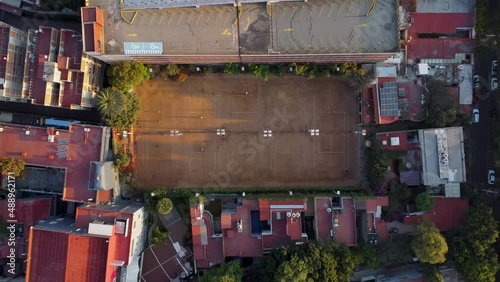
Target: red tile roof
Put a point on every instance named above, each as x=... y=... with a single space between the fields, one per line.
x=438 y=48
x=403 y=141
x=83 y=148
x=447 y=214
x=87 y=258
x=47 y=256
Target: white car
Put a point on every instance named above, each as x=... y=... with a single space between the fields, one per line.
x=494 y=66
x=491 y=177
x=475 y=115
x=477 y=82
x=494 y=84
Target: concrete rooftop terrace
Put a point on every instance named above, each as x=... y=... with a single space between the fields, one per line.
x=313 y=27
x=72 y=150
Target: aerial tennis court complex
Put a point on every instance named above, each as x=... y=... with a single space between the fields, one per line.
x=240 y=131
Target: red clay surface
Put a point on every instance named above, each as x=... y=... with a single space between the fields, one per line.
x=36 y=150
x=288 y=106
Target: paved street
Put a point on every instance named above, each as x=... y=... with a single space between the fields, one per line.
x=482 y=138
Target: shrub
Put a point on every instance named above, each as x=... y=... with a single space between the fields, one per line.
x=164 y=206
x=122 y=160
x=170 y=71
x=126 y=75
x=260 y=71
x=12 y=165
x=208 y=69
x=231 y=68
x=424 y=201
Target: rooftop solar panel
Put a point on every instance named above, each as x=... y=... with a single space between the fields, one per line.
x=389 y=99
x=62 y=141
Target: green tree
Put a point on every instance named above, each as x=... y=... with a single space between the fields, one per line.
x=432 y=273
x=314 y=261
x=441 y=108
x=368 y=254
x=128 y=115
x=164 y=206
x=472 y=246
x=260 y=71
x=122 y=160
x=170 y=70
x=301 y=69
x=378 y=162
x=158 y=237
x=208 y=69
x=110 y=102
x=231 y=68
x=228 y=272
x=12 y=165
x=126 y=75
x=428 y=244
x=424 y=201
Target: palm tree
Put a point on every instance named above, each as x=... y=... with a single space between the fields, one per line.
x=110 y=102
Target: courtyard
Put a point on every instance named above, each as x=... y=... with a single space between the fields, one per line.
x=240 y=131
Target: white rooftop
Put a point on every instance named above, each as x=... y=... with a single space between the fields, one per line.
x=447 y=163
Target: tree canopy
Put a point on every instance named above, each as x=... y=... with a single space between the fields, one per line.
x=424 y=201
x=127 y=116
x=472 y=246
x=126 y=75
x=428 y=244
x=12 y=165
x=110 y=102
x=314 y=261
x=441 y=108
x=164 y=205
x=228 y=272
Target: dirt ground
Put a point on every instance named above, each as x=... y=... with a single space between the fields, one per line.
x=244 y=106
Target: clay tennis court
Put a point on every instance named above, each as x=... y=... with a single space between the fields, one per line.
x=177 y=145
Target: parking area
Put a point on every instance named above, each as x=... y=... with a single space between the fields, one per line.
x=181 y=30
x=315 y=26
x=363 y=26
x=177 y=143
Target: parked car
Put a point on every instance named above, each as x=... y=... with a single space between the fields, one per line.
x=494 y=66
x=475 y=115
x=491 y=177
x=477 y=82
x=494 y=84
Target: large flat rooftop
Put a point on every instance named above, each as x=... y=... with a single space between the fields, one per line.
x=313 y=27
x=288 y=106
x=71 y=150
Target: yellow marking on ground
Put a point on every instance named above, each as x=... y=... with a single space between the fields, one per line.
x=132 y=34
x=288 y=29
x=122 y=13
x=372 y=7
x=321 y=11
x=226 y=32
x=362 y=25
x=331 y=10
x=248 y=23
